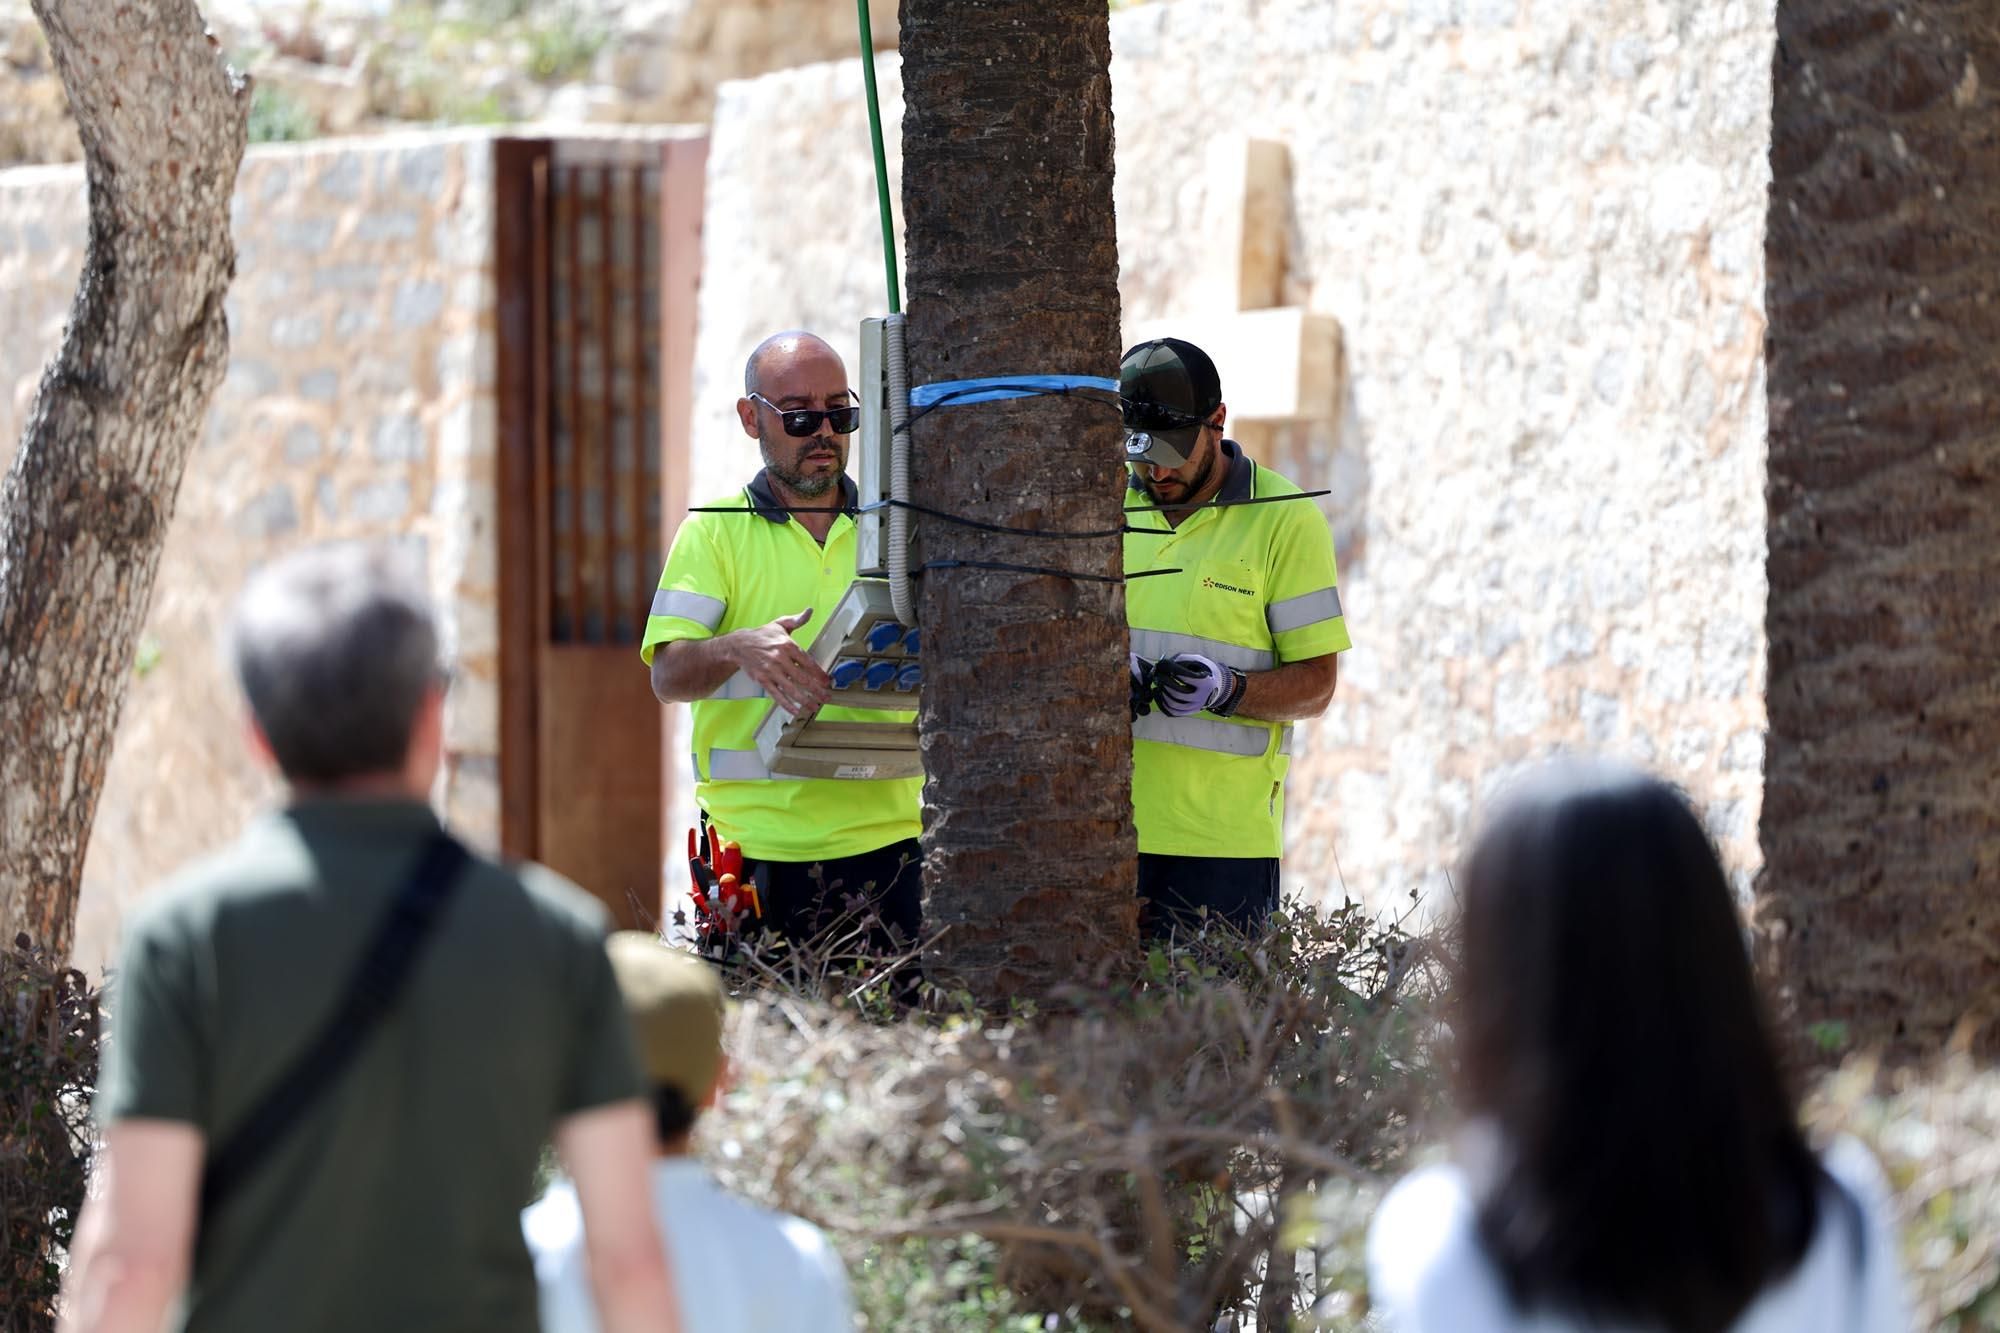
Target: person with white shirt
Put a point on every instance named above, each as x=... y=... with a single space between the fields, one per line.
x=1631 y=1157
x=745 y=1269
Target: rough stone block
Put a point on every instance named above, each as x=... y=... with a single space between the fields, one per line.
x=1243 y=219
x=417 y=304
x=397 y=438
x=308 y=236
x=389 y=226
x=250 y=378
x=382 y=376
x=1600 y=714
x=421 y=172
x=1744 y=753
x=1492 y=13
x=464 y=237
x=320 y=386
x=1688 y=750
x=473 y=709
x=348 y=278
x=1520 y=705
x=273 y=513
x=355 y=316
x=293 y=332
x=344 y=176
x=302 y=443
x=380 y=501
x=467 y=428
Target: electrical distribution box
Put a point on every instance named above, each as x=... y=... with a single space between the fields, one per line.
x=871 y=528
x=874 y=662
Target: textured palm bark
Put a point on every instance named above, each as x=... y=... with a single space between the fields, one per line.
x=1881 y=819
x=1013 y=269
x=85 y=507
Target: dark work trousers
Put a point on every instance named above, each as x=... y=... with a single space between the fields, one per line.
x=802 y=898
x=1242 y=890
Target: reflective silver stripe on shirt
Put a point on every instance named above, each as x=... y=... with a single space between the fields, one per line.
x=740 y=766
x=1202 y=733
x=703 y=611
x=738 y=686
x=1285 y=739
x=1305 y=609
x=1153 y=644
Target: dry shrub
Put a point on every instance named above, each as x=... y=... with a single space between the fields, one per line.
x=48 y=1070
x=1936 y=1133
x=1138 y=1155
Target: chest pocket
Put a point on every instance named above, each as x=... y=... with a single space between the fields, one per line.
x=1226 y=601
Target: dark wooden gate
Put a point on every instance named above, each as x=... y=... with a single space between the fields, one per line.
x=598 y=244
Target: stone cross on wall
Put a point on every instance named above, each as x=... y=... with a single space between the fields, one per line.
x=1279 y=364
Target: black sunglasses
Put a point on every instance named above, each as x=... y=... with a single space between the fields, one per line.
x=803 y=421
x=1149 y=416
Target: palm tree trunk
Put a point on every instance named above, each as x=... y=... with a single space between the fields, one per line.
x=1881 y=824
x=1013 y=269
x=85 y=507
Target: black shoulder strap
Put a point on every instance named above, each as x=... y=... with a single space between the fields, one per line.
x=371 y=993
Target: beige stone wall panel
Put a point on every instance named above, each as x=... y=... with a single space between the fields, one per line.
x=359 y=404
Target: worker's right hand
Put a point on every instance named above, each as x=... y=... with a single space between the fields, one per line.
x=769 y=655
x=1142 y=686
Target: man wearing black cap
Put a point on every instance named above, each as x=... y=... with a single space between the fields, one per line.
x=1228 y=650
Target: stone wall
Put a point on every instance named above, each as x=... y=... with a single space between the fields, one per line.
x=1540 y=225
x=358 y=405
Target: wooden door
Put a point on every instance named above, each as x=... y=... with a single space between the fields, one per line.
x=592 y=473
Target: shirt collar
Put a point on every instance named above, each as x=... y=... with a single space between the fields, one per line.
x=1242 y=476
x=334 y=813
x=767 y=504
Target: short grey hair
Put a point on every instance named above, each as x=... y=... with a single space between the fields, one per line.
x=336 y=648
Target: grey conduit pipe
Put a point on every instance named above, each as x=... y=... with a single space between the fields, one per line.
x=900 y=595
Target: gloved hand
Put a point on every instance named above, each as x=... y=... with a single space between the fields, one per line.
x=1189 y=683
x=1142 y=686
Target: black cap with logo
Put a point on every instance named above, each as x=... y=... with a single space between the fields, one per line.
x=1166 y=389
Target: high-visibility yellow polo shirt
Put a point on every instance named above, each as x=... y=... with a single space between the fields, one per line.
x=729 y=571
x=1257 y=587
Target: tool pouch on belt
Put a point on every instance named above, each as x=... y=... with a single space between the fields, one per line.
x=726 y=893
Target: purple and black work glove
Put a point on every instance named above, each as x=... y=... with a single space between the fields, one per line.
x=1142 y=686
x=1188 y=683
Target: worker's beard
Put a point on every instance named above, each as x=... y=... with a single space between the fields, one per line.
x=1194 y=485
x=785 y=460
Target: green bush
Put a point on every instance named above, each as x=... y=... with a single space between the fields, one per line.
x=562 y=44
x=49 y=1022
x=276 y=117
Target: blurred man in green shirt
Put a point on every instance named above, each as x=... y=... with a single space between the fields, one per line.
x=389 y=1198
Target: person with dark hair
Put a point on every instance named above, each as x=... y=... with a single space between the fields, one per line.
x=1631 y=1156
x=1234 y=606
x=338 y=1046
x=748 y=1270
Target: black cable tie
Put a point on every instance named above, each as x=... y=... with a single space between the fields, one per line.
x=983 y=526
x=1222 y=504
x=1003 y=567
x=775 y=509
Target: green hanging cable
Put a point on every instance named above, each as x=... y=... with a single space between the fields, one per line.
x=881 y=159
